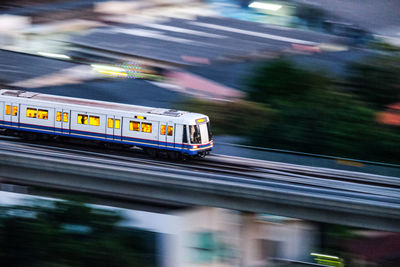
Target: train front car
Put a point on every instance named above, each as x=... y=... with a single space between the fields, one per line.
x=198 y=140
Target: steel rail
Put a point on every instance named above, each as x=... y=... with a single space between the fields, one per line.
x=249 y=171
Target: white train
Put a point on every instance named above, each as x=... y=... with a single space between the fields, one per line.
x=157 y=131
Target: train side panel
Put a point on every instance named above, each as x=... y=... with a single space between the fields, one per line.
x=2 y=109
x=140 y=132
x=36 y=118
x=178 y=133
x=88 y=124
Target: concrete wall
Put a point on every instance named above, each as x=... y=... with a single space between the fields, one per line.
x=214 y=237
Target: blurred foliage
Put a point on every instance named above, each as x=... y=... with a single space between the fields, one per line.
x=280 y=83
x=383 y=46
x=296 y=109
x=376 y=80
x=69 y=233
x=312 y=15
x=312 y=115
x=228 y=117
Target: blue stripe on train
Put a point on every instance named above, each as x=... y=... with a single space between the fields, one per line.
x=101 y=137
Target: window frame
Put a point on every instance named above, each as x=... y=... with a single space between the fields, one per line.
x=31 y=109
x=14 y=111
x=65 y=118
x=83 y=116
x=131 y=123
x=8 y=110
x=172 y=130
x=94 y=120
x=110 y=123
x=59 y=116
x=163 y=129
x=144 y=124
x=45 y=111
x=117 y=123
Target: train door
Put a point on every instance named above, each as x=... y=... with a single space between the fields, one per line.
x=58 y=121
x=2 y=109
x=66 y=121
x=7 y=113
x=170 y=135
x=11 y=113
x=15 y=114
x=62 y=118
x=162 y=139
x=113 y=128
x=117 y=128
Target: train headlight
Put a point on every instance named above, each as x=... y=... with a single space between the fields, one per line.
x=195 y=146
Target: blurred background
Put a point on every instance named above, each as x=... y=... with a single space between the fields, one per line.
x=314 y=83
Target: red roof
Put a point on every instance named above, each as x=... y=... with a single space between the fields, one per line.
x=391 y=116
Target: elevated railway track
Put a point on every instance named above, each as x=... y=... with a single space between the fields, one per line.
x=318 y=194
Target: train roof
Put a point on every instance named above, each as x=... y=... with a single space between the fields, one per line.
x=92 y=103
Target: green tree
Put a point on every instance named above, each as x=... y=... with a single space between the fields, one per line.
x=235 y=118
x=69 y=233
x=312 y=115
x=312 y=15
x=376 y=80
x=280 y=83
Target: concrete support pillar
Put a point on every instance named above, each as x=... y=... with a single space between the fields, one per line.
x=214 y=237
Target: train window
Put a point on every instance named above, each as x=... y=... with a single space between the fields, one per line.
x=58 y=116
x=162 y=129
x=8 y=110
x=209 y=131
x=65 y=117
x=117 y=124
x=43 y=114
x=134 y=126
x=82 y=119
x=31 y=112
x=146 y=127
x=194 y=132
x=15 y=111
x=110 y=123
x=184 y=138
x=94 y=120
x=170 y=130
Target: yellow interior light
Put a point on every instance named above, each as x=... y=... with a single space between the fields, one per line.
x=139 y=117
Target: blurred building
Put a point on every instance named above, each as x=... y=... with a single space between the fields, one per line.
x=218 y=237
x=11 y=27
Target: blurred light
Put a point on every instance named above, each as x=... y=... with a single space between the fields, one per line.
x=45 y=54
x=113 y=73
x=306 y=48
x=328 y=260
x=201 y=60
x=325 y=256
x=107 y=67
x=267 y=6
x=109 y=70
x=332 y=47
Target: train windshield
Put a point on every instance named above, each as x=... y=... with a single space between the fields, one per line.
x=200 y=133
x=194 y=131
x=209 y=131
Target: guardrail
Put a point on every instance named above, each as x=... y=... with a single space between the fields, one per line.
x=317 y=160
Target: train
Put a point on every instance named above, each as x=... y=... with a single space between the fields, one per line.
x=157 y=131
